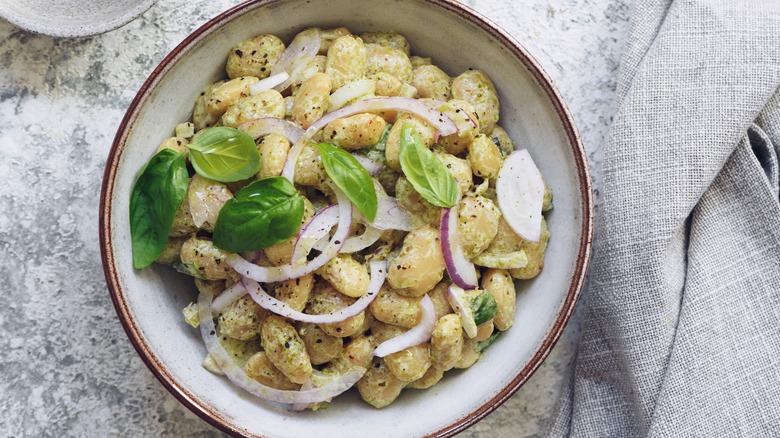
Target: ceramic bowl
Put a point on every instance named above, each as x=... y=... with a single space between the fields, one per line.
x=72 y=18
x=149 y=302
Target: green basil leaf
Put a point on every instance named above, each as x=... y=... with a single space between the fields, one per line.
x=351 y=177
x=264 y=213
x=157 y=194
x=224 y=154
x=429 y=176
x=484 y=307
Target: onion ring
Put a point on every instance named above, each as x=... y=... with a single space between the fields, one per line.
x=239 y=378
x=520 y=193
x=415 y=336
x=228 y=297
x=313 y=232
x=261 y=297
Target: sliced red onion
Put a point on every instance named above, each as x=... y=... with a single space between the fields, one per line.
x=443 y=124
x=362 y=241
x=416 y=336
x=520 y=193
x=321 y=244
x=263 y=274
x=228 y=297
x=286 y=272
x=296 y=56
x=378 y=272
x=236 y=375
x=271 y=125
x=314 y=231
x=351 y=92
x=206 y=198
x=336 y=242
x=268 y=83
x=372 y=167
x=461 y=271
x=461 y=303
x=391 y=216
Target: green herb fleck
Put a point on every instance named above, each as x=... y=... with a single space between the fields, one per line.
x=484 y=307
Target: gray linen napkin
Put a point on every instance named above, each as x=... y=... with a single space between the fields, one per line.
x=681 y=335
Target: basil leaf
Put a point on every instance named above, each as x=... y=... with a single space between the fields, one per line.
x=429 y=176
x=484 y=307
x=157 y=194
x=351 y=177
x=224 y=154
x=264 y=213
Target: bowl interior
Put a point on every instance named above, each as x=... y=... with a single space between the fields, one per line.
x=150 y=301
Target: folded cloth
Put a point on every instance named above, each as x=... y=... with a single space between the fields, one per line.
x=681 y=332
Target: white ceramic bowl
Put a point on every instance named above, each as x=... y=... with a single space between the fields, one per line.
x=149 y=302
x=72 y=18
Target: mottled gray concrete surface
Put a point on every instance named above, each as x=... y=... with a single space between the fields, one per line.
x=67 y=367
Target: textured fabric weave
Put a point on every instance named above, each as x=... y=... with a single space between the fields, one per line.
x=681 y=335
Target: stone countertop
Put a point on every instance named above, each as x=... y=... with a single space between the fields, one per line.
x=68 y=369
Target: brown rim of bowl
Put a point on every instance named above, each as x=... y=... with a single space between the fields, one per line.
x=578 y=276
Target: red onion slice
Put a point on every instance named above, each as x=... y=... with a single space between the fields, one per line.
x=372 y=167
x=336 y=242
x=262 y=274
x=460 y=302
x=321 y=244
x=228 y=297
x=296 y=56
x=313 y=232
x=443 y=124
x=236 y=375
x=362 y=241
x=520 y=192
x=461 y=271
x=417 y=335
x=261 y=297
x=391 y=216
x=268 y=83
x=271 y=125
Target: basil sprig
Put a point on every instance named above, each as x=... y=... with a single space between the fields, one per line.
x=351 y=177
x=264 y=213
x=429 y=176
x=224 y=154
x=157 y=194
